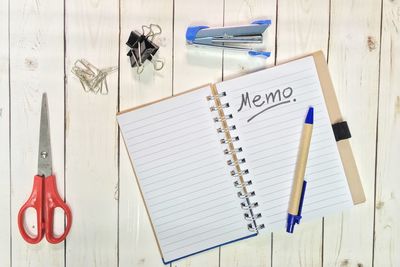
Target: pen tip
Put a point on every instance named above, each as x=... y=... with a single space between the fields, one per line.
x=310 y=116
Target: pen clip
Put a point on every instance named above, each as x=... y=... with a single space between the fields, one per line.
x=295 y=219
x=303 y=190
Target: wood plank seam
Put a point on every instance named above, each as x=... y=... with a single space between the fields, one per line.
x=377 y=136
x=118 y=132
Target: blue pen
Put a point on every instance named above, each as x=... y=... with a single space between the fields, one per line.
x=299 y=185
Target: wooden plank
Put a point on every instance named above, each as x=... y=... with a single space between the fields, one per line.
x=254 y=251
x=303 y=27
x=137 y=243
x=241 y=13
x=4 y=138
x=387 y=226
x=36 y=66
x=194 y=67
x=354 y=66
x=92 y=33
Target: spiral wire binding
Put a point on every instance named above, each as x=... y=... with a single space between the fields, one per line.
x=246 y=204
x=230 y=128
x=229 y=152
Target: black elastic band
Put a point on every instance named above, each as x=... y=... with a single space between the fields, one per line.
x=341 y=131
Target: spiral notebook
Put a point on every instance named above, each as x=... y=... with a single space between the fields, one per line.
x=215 y=164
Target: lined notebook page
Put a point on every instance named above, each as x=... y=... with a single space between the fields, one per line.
x=178 y=159
x=269 y=108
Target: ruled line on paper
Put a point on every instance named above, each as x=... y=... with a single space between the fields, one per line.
x=177 y=188
x=338 y=188
x=294 y=142
x=281 y=152
x=198 y=220
x=171 y=154
x=297 y=87
x=184 y=172
x=202 y=167
x=181 y=143
x=154 y=114
x=201 y=233
x=136 y=128
x=285 y=198
x=196 y=212
x=326 y=206
x=175 y=226
x=163 y=201
x=165 y=141
x=169 y=163
x=166 y=133
x=271 y=127
x=291 y=165
x=290 y=135
x=278 y=84
x=292 y=158
x=224 y=233
x=269 y=122
x=266 y=118
x=209 y=207
x=290 y=179
x=180 y=182
x=289 y=149
x=190 y=229
x=165 y=125
x=215 y=213
x=232 y=82
x=279 y=208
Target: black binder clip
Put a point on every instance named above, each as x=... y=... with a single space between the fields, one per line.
x=143 y=48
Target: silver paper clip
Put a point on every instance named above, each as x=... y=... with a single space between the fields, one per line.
x=92 y=79
x=233 y=38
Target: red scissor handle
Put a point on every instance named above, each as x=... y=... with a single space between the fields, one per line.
x=52 y=201
x=44 y=196
x=35 y=201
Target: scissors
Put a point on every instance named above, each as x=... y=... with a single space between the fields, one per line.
x=44 y=197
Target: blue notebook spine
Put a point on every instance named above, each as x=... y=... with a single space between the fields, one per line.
x=239 y=173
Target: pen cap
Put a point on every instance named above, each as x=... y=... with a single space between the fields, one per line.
x=310 y=116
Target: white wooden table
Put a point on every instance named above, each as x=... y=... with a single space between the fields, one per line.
x=40 y=41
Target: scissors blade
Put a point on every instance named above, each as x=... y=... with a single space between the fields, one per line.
x=44 y=157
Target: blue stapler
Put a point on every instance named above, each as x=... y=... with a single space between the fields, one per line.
x=235 y=38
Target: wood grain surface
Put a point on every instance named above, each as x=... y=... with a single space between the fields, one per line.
x=41 y=40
